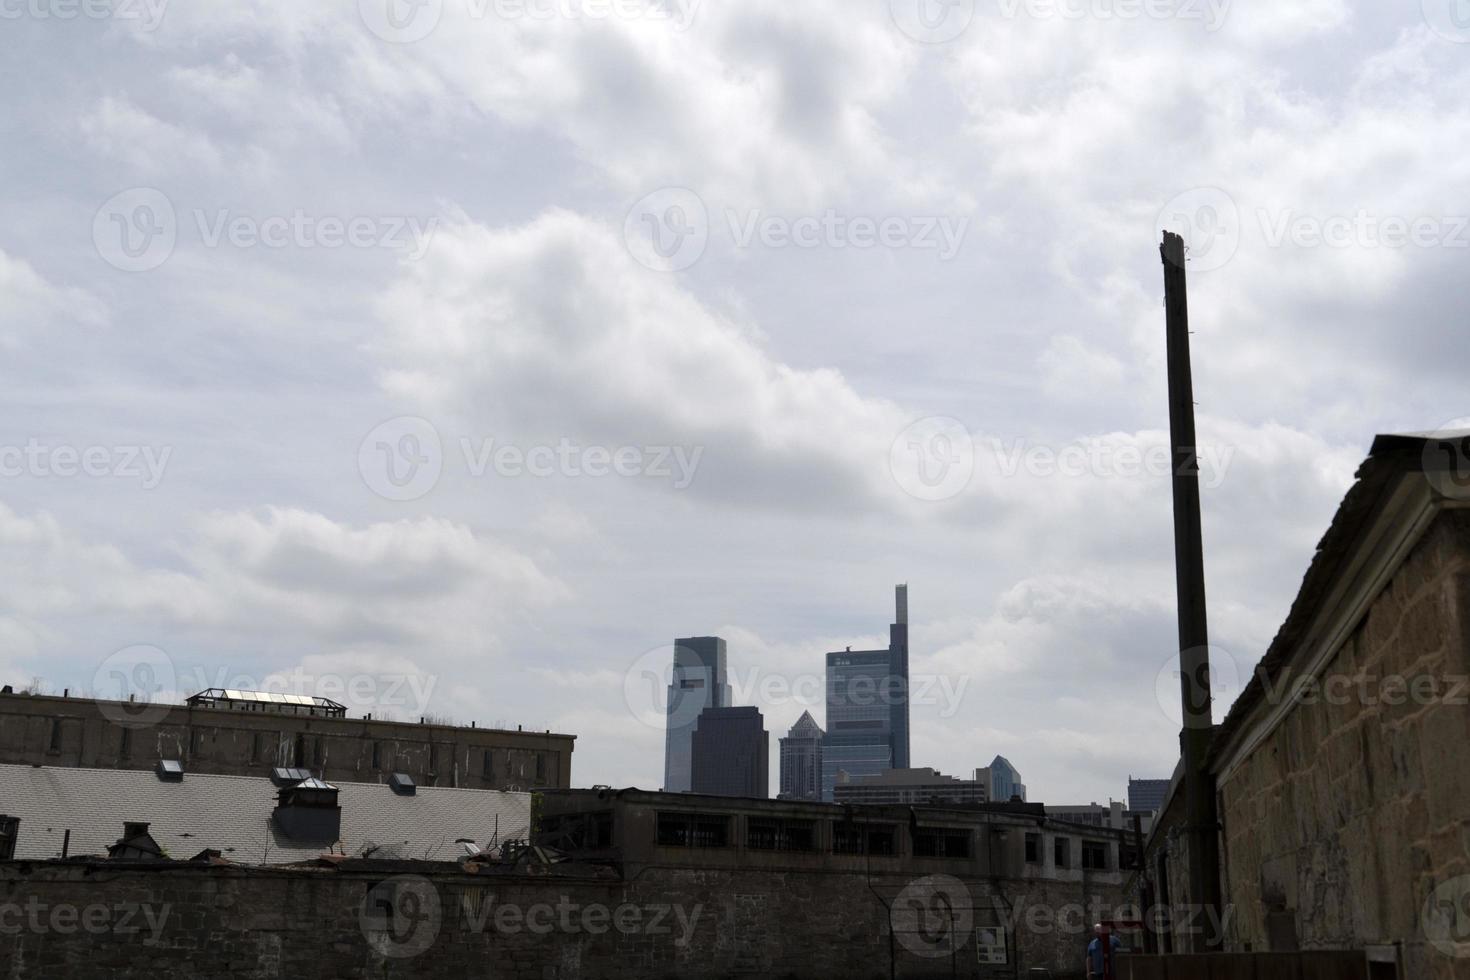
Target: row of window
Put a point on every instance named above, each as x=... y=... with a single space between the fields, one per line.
x=1094 y=853
x=778 y=834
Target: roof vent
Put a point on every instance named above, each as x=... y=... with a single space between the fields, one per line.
x=282 y=776
x=170 y=770
x=309 y=811
x=402 y=784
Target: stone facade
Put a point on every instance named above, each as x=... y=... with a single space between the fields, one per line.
x=1346 y=818
x=61 y=731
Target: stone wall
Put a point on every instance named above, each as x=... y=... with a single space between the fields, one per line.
x=1343 y=825
x=61 y=731
x=165 y=922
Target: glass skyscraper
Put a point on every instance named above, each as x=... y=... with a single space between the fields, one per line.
x=697 y=682
x=868 y=706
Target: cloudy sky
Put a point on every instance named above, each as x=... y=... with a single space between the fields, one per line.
x=454 y=357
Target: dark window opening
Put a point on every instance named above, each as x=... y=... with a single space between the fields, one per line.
x=576 y=832
x=693 y=830
x=487 y=765
x=316 y=750
x=541 y=767
x=1033 y=848
x=1060 y=848
x=854 y=838
x=55 y=735
x=299 y=755
x=767 y=834
x=942 y=843
x=125 y=743
x=9 y=831
x=1094 y=856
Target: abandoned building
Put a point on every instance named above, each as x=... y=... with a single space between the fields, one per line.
x=1339 y=773
x=247 y=733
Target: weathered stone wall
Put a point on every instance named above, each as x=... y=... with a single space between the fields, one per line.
x=59 y=731
x=59 y=920
x=1343 y=824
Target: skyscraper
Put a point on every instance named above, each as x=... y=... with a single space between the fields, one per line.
x=1005 y=780
x=801 y=760
x=698 y=682
x=731 y=753
x=868 y=705
x=1147 y=795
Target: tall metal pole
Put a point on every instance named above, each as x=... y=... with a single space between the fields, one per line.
x=1202 y=821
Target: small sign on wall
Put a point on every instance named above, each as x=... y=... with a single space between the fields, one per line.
x=990 y=945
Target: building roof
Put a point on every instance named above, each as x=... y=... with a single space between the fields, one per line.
x=232 y=814
x=805 y=727
x=1433 y=455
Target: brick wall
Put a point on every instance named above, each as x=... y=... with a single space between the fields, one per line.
x=201 y=921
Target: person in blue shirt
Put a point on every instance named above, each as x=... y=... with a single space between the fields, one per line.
x=1095 y=953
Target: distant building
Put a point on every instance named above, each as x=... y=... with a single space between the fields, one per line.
x=801 y=760
x=731 y=753
x=868 y=706
x=247 y=733
x=1003 y=778
x=698 y=682
x=1147 y=795
x=1113 y=816
x=910 y=786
